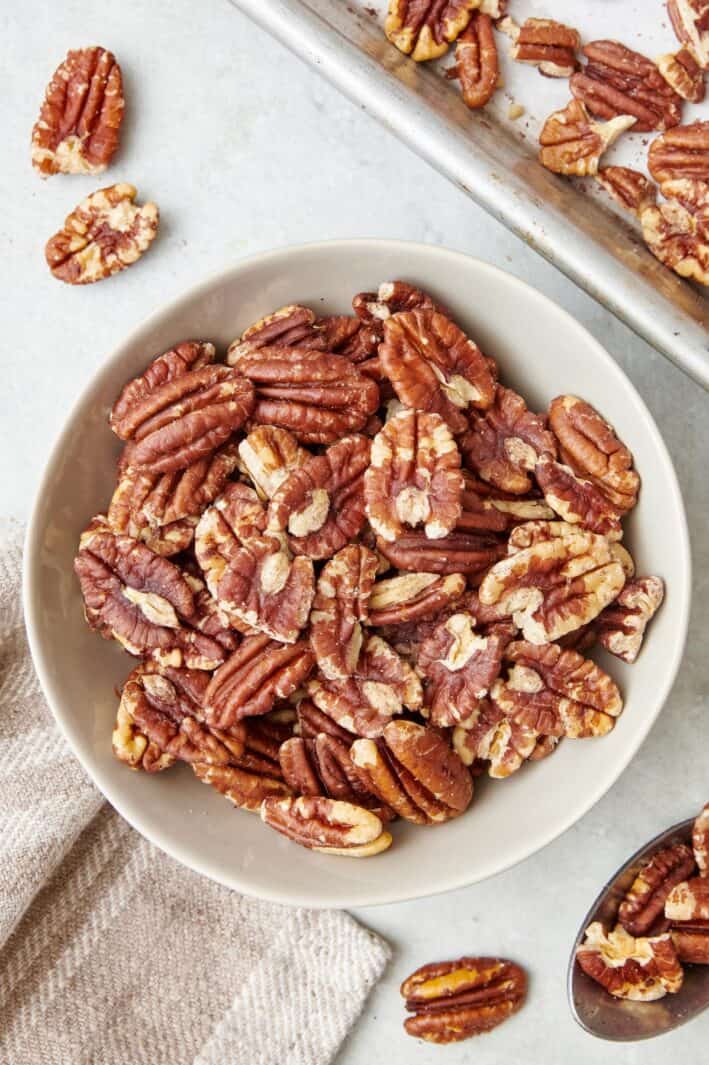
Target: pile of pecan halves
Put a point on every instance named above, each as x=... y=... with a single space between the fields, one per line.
x=617 y=89
x=662 y=921
x=357 y=570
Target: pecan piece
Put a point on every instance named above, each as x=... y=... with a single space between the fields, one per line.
x=80 y=118
x=129 y=742
x=459 y=552
x=454 y=1000
x=691 y=941
x=629 y=188
x=577 y=501
x=688 y=900
x=700 y=841
x=253 y=678
x=383 y=685
x=412 y=597
x=327 y=825
x=505 y=444
x=102 y=236
x=554 y=586
x=682 y=72
x=682 y=152
x=618 y=81
x=243 y=788
x=543 y=43
x=322 y=766
x=492 y=739
x=620 y=628
x=315 y=395
x=642 y=969
x=460 y=665
x=414 y=477
x=434 y=367
x=268 y=455
x=677 y=232
x=414 y=771
x=690 y=21
x=590 y=696
x=142 y=397
x=423 y=29
x=488 y=509
x=237 y=517
x=476 y=62
x=290 y=326
x=321 y=504
x=572 y=144
x=339 y=608
x=311 y=722
x=642 y=910
x=373 y=308
x=591 y=448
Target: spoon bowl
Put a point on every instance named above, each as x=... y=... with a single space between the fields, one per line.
x=620 y=1020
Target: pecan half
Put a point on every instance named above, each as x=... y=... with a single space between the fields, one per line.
x=80 y=118
x=691 y=941
x=327 y=825
x=700 y=841
x=682 y=72
x=460 y=665
x=491 y=739
x=690 y=21
x=413 y=477
x=243 y=788
x=412 y=597
x=454 y=1000
x=629 y=188
x=591 y=448
x=620 y=628
x=423 y=29
x=642 y=969
x=130 y=743
x=689 y=900
x=476 y=62
x=576 y=500
x=322 y=766
x=618 y=81
x=268 y=455
x=642 y=910
x=317 y=396
x=568 y=674
x=236 y=518
x=682 y=152
x=253 y=678
x=373 y=308
x=339 y=608
x=505 y=444
x=553 y=586
x=311 y=722
x=434 y=367
x=677 y=232
x=571 y=143
x=414 y=771
x=489 y=509
x=321 y=504
x=143 y=396
x=543 y=43
x=459 y=552
x=102 y=236
x=290 y=326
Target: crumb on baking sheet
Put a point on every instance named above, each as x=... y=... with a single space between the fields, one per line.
x=515 y=111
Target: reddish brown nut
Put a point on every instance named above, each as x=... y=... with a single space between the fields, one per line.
x=489 y=509
x=268 y=455
x=321 y=504
x=677 y=232
x=691 y=941
x=460 y=665
x=208 y=617
x=413 y=477
x=576 y=500
x=243 y=788
x=384 y=685
x=642 y=911
x=80 y=118
x=290 y=326
x=505 y=444
x=571 y=143
x=688 y=900
x=476 y=63
x=392 y=296
x=311 y=722
x=434 y=367
x=459 y=552
x=618 y=81
x=454 y=1000
x=322 y=766
x=690 y=21
x=423 y=29
x=179 y=690
x=682 y=152
x=327 y=825
x=339 y=608
x=414 y=771
x=591 y=448
x=700 y=841
x=412 y=597
x=143 y=396
x=236 y=518
x=140 y=599
x=682 y=72
x=317 y=396
x=543 y=43
x=260 y=672
x=629 y=188
x=620 y=628
x=642 y=969
x=491 y=739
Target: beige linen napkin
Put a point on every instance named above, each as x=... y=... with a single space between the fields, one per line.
x=113 y=954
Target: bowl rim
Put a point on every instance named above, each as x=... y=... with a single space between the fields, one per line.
x=41 y=655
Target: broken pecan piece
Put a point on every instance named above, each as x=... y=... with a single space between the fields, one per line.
x=327 y=825
x=80 y=118
x=434 y=367
x=339 y=608
x=618 y=81
x=413 y=477
x=682 y=72
x=682 y=152
x=414 y=771
x=460 y=665
x=576 y=500
x=677 y=232
x=571 y=143
x=412 y=597
x=642 y=969
x=459 y=552
x=629 y=188
x=690 y=21
x=423 y=29
x=700 y=841
x=253 y=678
x=476 y=63
x=543 y=43
x=321 y=504
x=620 y=628
x=642 y=911
x=454 y=1000
x=102 y=236
x=268 y=455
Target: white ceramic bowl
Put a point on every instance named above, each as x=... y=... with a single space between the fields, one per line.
x=541 y=352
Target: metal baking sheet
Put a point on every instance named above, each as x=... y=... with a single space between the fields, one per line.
x=492 y=158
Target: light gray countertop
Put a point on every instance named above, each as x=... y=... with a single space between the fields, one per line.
x=245 y=149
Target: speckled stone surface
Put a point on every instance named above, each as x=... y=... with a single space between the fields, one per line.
x=245 y=149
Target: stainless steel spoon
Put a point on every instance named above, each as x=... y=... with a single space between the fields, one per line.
x=617 y=1019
